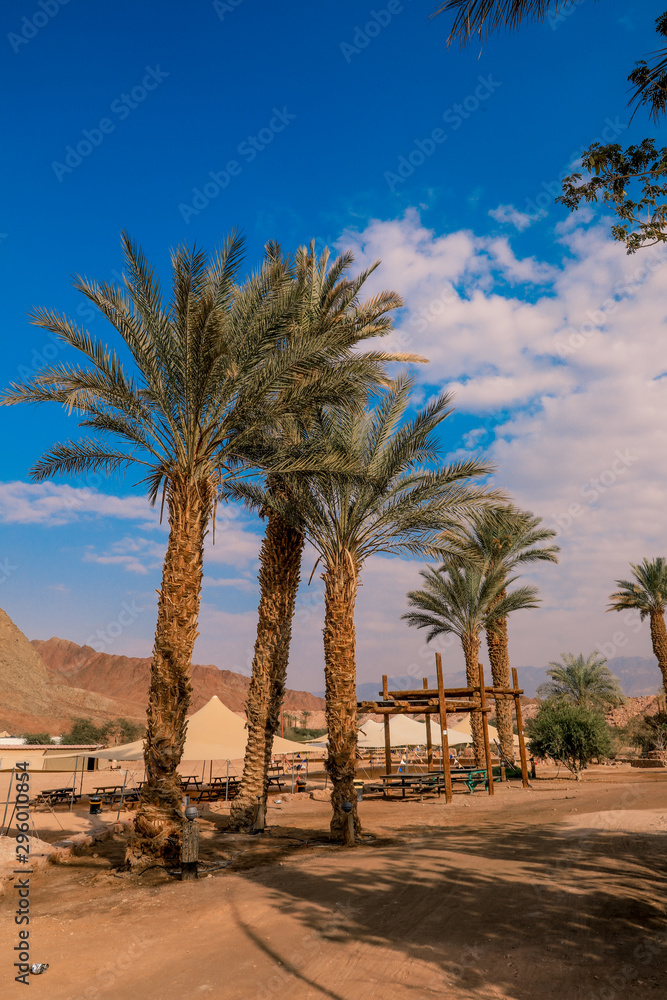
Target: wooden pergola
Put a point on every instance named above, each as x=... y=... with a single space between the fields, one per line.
x=438 y=701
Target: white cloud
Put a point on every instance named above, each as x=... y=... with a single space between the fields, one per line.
x=53 y=504
x=513 y=217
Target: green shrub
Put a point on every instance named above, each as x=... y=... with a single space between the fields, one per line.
x=647 y=732
x=571 y=734
x=34 y=738
x=85 y=731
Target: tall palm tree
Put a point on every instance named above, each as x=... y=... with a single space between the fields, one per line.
x=462 y=599
x=647 y=593
x=206 y=369
x=585 y=681
x=391 y=505
x=503 y=539
x=326 y=305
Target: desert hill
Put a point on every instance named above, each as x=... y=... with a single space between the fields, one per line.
x=127 y=678
x=30 y=698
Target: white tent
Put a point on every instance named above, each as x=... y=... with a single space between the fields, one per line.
x=493 y=732
x=214 y=733
x=404 y=732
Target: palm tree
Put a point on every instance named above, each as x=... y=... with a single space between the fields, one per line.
x=585 y=681
x=207 y=369
x=326 y=306
x=648 y=595
x=392 y=505
x=503 y=539
x=462 y=599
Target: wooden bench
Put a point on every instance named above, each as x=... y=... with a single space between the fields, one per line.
x=55 y=797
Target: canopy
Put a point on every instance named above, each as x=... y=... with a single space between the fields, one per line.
x=464 y=726
x=214 y=733
x=404 y=732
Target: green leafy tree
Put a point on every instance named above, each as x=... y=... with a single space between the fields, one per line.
x=585 y=681
x=85 y=731
x=570 y=734
x=502 y=539
x=648 y=732
x=647 y=593
x=463 y=599
x=209 y=367
x=34 y=739
x=386 y=502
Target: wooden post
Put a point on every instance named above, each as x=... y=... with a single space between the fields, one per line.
x=443 y=729
x=385 y=689
x=387 y=745
x=485 y=725
x=189 y=849
x=429 y=742
x=519 y=726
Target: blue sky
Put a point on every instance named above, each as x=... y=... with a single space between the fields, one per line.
x=354 y=125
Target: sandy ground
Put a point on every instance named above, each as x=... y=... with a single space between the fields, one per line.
x=557 y=891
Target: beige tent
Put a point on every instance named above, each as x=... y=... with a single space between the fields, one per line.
x=214 y=733
x=405 y=732
x=464 y=727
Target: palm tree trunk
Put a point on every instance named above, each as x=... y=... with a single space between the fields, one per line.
x=280 y=564
x=157 y=825
x=499 y=658
x=659 y=641
x=340 y=592
x=471 y=652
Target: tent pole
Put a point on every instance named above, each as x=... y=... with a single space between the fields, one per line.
x=429 y=743
x=485 y=727
x=122 y=796
x=442 y=705
x=82 y=768
x=9 y=792
x=519 y=726
x=76 y=768
x=292 y=772
x=227 y=784
x=387 y=745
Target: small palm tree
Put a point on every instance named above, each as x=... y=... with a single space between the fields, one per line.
x=503 y=539
x=585 y=681
x=391 y=504
x=208 y=369
x=326 y=307
x=647 y=593
x=462 y=600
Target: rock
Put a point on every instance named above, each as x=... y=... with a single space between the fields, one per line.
x=320 y=795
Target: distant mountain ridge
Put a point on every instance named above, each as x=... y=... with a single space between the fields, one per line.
x=638 y=676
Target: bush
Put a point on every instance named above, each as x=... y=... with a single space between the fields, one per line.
x=647 y=732
x=85 y=731
x=571 y=734
x=35 y=738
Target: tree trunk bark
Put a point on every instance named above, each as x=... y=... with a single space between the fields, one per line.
x=471 y=652
x=280 y=564
x=340 y=592
x=659 y=641
x=157 y=825
x=498 y=647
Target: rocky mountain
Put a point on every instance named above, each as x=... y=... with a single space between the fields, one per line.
x=126 y=680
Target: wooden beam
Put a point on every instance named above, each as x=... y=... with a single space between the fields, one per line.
x=385 y=693
x=449 y=693
x=485 y=725
x=387 y=745
x=443 y=729
x=429 y=744
x=519 y=726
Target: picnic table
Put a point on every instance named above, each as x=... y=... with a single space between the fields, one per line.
x=431 y=780
x=55 y=796
x=218 y=788
x=110 y=794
